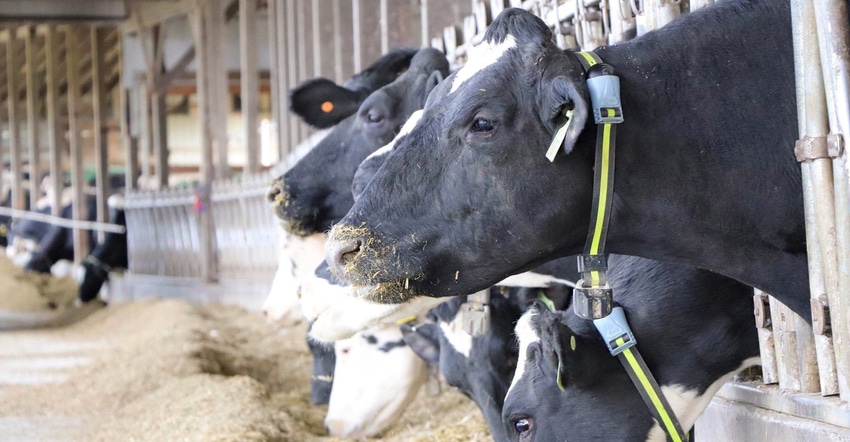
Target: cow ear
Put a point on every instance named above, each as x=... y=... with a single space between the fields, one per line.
x=423 y=340
x=322 y=103
x=559 y=98
x=573 y=357
x=434 y=79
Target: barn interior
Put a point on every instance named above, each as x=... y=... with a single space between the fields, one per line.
x=182 y=108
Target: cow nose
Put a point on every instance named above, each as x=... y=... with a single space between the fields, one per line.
x=274 y=192
x=339 y=253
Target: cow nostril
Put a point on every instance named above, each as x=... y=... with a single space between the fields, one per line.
x=342 y=253
x=274 y=192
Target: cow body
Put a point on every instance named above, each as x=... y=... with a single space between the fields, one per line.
x=109 y=255
x=705 y=171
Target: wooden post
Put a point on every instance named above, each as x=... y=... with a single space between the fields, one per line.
x=12 y=68
x=54 y=137
x=99 y=130
x=159 y=122
x=249 y=94
x=206 y=232
x=301 y=22
x=217 y=88
x=131 y=152
x=275 y=90
x=78 y=182
x=32 y=122
x=144 y=110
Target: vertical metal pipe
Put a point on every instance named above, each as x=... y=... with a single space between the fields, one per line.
x=248 y=83
x=72 y=57
x=355 y=38
x=286 y=124
x=337 y=24
x=423 y=22
x=292 y=62
x=51 y=54
x=12 y=69
x=32 y=122
x=317 y=38
x=275 y=90
x=817 y=180
x=385 y=28
x=833 y=34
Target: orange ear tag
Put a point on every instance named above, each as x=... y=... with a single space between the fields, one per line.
x=327 y=107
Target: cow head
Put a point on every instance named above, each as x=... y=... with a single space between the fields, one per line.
x=299 y=256
x=107 y=255
x=480 y=367
x=315 y=193
x=376 y=377
x=322 y=103
x=465 y=198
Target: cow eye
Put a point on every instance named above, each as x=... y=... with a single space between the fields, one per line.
x=374 y=117
x=482 y=125
x=522 y=425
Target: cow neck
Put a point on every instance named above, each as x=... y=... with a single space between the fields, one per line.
x=593 y=297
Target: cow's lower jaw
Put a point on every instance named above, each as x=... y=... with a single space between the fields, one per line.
x=336 y=314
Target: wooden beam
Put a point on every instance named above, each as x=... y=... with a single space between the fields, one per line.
x=249 y=77
x=131 y=148
x=12 y=67
x=286 y=36
x=32 y=123
x=337 y=26
x=179 y=67
x=54 y=137
x=317 y=38
x=72 y=55
x=101 y=149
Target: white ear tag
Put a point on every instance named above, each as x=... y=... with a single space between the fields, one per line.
x=559 y=137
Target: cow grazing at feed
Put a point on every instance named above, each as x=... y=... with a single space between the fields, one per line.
x=299 y=256
x=693 y=328
x=480 y=367
x=54 y=243
x=703 y=155
x=322 y=379
x=109 y=255
x=376 y=377
x=316 y=192
x=322 y=103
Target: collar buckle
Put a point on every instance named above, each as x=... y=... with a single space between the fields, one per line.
x=616 y=331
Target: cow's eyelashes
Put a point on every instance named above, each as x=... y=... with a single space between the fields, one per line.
x=482 y=125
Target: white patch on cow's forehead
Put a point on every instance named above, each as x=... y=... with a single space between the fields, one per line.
x=458 y=338
x=689 y=404
x=479 y=57
x=525 y=335
x=408 y=126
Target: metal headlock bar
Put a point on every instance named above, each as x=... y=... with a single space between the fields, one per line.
x=62 y=222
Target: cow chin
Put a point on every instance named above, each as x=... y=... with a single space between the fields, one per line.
x=337 y=314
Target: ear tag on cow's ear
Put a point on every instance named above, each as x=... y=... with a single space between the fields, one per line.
x=558 y=141
x=560 y=382
x=327 y=107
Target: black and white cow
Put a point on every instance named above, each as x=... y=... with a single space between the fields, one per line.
x=480 y=367
x=109 y=255
x=322 y=103
x=693 y=328
x=705 y=152
x=55 y=243
x=316 y=192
